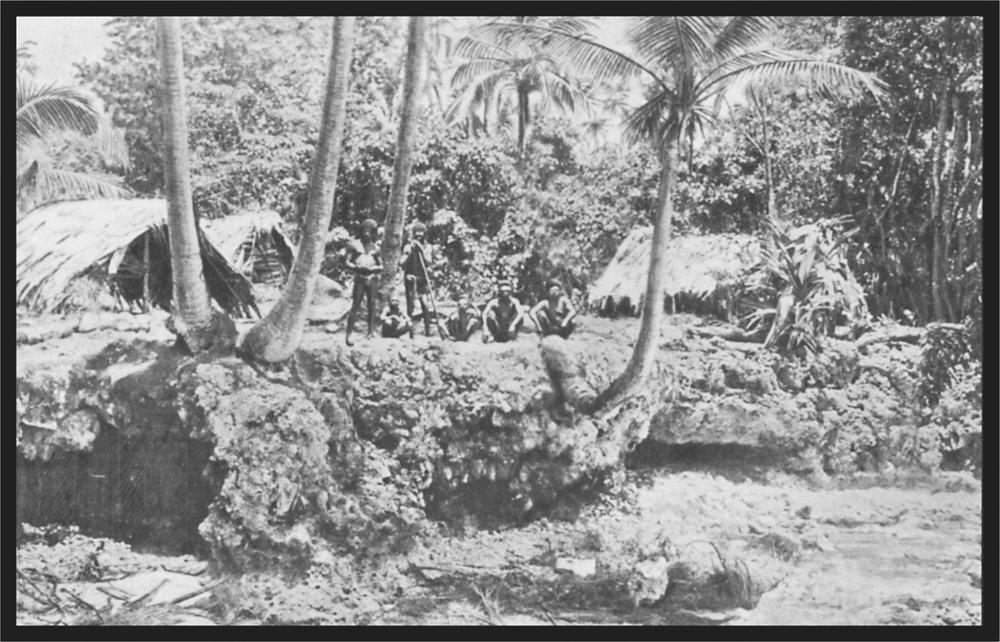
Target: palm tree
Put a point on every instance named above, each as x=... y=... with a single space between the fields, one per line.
x=193 y=319
x=395 y=216
x=513 y=62
x=44 y=112
x=279 y=333
x=693 y=63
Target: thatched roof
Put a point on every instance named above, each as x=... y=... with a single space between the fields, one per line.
x=61 y=242
x=696 y=265
x=232 y=235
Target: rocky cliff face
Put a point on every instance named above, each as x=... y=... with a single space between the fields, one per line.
x=357 y=447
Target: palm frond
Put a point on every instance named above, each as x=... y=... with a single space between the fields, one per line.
x=573 y=24
x=112 y=146
x=561 y=93
x=742 y=33
x=774 y=65
x=478 y=92
x=649 y=120
x=473 y=47
x=48 y=184
x=467 y=71
x=585 y=56
x=43 y=110
x=672 y=41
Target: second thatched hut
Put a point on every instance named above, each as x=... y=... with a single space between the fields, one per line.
x=702 y=272
x=254 y=243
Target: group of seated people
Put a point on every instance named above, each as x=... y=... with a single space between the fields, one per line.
x=501 y=318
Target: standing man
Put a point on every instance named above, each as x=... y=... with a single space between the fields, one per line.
x=416 y=256
x=503 y=315
x=554 y=314
x=363 y=259
x=464 y=321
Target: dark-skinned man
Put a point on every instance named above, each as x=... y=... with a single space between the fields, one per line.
x=364 y=261
x=503 y=315
x=464 y=321
x=394 y=323
x=555 y=313
x=415 y=259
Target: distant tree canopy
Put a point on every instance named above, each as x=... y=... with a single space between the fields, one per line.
x=912 y=174
x=909 y=176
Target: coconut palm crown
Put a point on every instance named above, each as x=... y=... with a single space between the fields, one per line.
x=512 y=60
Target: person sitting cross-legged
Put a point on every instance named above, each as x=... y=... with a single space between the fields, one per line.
x=555 y=313
x=395 y=323
x=503 y=315
x=464 y=321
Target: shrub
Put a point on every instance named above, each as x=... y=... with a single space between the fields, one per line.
x=806 y=274
x=944 y=347
x=958 y=417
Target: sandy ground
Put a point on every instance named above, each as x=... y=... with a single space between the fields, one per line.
x=818 y=554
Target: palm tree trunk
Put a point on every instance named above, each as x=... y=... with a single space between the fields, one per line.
x=192 y=312
x=646 y=346
x=395 y=217
x=278 y=335
x=938 y=257
x=522 y=119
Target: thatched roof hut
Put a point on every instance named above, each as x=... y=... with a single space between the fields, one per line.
x=699 y=269
x=113 y=240
x=254 y=243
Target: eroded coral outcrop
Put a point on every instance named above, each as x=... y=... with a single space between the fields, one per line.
x=356 y=447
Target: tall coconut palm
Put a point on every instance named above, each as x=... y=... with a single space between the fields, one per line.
x=506 y=61
x=192 y=319
x=691 y=64
x=395 y=216
x=279 y=333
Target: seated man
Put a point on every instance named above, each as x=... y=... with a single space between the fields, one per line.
x=463 y=321
x=554 y=314
x=394 y=323
x=503 y=315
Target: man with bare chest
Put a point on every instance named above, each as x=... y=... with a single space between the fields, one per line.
x=364 y=261
x=503 y=315
x=554 y=314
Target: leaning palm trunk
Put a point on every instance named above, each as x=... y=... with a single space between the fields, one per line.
x=193 y=319
x=278 y=335
x=645 y=352
x=395 y=217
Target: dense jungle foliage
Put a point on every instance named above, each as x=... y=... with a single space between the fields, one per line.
x=907 y=174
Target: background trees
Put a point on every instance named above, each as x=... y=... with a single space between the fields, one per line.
x=912 y=174
x=563 y=206
x=510 y=68
x=690 y=61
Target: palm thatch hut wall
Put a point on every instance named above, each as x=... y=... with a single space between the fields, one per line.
x=254 y=243
x=113 y=241
x=701 y=273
